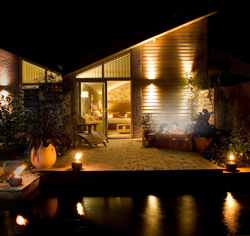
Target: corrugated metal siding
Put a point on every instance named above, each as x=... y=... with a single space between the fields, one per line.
x=166 y=60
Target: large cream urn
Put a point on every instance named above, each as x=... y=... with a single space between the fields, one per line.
x=43 y=157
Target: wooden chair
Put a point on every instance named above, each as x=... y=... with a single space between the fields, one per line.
x=78 y=129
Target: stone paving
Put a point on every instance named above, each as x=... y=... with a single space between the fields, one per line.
x=129 y=155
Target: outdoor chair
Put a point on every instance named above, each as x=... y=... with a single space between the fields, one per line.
x=78 y=129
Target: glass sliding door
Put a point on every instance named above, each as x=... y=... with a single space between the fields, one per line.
x=119 y=109
x=92 y=104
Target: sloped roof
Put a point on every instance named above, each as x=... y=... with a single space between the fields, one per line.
x=71 y=65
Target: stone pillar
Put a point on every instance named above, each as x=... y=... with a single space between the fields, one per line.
x=136 y=91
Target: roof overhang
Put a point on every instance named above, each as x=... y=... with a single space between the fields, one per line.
x=141 y=43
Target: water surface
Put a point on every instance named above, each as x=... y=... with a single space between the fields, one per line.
x=223 y=213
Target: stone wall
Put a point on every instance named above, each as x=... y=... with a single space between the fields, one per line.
x=9 y=69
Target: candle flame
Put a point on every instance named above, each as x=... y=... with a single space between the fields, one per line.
x=231 y=158
x=19 y=169
x=78 y=156
x=80 y=209
x=21 y=221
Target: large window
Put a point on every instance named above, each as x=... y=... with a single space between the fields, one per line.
x=95 y=72
x=33 y=74
x=116 y=68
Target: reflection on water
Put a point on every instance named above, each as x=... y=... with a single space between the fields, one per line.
x=151 y=216
x=21 y=221
x=231 y=214
x=80 y=209
x=182 y=215
x=187 y=214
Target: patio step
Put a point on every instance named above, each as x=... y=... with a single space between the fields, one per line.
x=30 y=184
x=113 y=182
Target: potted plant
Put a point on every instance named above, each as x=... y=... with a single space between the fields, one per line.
x=46 y=140
x=201 y=131
x=147 y=122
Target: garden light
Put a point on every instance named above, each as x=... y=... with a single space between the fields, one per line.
x=231 y=165
x=16 y=180
x=77 y=164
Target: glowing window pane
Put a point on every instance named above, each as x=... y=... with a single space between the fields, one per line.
x=95 y=72
x=118 y=68
x=32 y=73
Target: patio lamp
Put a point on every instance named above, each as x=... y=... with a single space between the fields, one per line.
x=231 y=165
x=16 y=180
x=77 y=164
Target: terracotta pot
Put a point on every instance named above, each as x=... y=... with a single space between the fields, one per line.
x=202 y=143
x=43 y=157
x=146 y=132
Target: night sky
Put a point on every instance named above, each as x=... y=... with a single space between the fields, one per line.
x=48 y=34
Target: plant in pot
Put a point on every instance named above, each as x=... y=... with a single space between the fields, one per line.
x=147 y=122
x=46 y=140
x=202 y=131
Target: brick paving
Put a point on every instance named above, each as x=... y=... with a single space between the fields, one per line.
x=129 y=155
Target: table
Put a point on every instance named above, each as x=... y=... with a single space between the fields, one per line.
x=89 y=126
x=123 y=128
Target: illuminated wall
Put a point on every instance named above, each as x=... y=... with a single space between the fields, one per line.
x=165 y=62
x=9 y=69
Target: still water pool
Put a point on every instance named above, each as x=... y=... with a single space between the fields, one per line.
x=223 y=213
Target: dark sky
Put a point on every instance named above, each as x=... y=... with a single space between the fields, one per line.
x=49 y=33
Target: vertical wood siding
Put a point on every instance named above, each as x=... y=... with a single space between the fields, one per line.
x=165 y=61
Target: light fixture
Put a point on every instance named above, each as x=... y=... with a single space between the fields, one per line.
x=85 y=94
x=16 y=180
x=231 y=165
x=77 y=164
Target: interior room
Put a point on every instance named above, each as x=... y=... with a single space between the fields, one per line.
x=119 y=109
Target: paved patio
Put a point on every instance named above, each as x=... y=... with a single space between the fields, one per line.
x=129 y=155
x=125 y=167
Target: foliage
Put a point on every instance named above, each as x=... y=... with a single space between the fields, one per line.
x=47 y=131
x=46 y=118
x=4 y=174
x=12 y=119
x=201 y=127
x=217 y=154
x=240 y=144
x=195 y=86
x=147 y=121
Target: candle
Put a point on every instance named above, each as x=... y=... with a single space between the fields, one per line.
x=17 y=180
x=231 y=165
x=77 y=165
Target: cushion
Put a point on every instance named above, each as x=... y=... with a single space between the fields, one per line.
x=115 y=114
x=128 y=113
x=87 y=117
